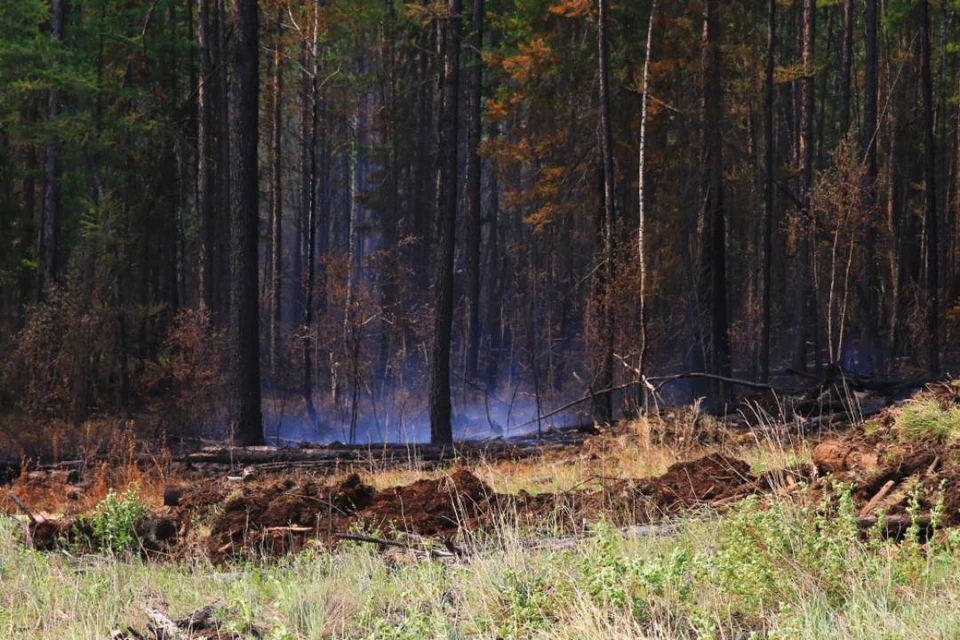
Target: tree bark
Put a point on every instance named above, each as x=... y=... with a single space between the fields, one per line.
x=715 y=242
x=846 y=66
x=603 y=403
x=768 y=195
x=472 y=248
x=276 y=266
x=308 y=130
x=641 y=230
x=441 y=430
x=930 y=197
x=222 y=238
x=246 y=419
x=872 y=352
x=49 y=241
x=205 y=193
x=802 y=289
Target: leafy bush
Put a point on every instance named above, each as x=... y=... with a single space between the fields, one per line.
x=112 y=526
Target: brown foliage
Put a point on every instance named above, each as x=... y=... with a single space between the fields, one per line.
x=185 y=381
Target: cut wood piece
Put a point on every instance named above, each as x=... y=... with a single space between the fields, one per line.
x=289 y=529
x=163 y=627
x=203 y=619
x=875 y=500
x=834 y=456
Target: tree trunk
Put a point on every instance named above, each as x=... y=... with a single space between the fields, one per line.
x=246 y=419
x=846 y=66
x=802 y=288
x=472 y=248
x=441 y=430
x=930 y=197
x=715 y=241
x=871 y=351
x=641 y=231
x=768 y=195
x=49 y=245
x=308 y=166
x=222 y=238
x=276 y=289
x=205 y=211
x=603 y=404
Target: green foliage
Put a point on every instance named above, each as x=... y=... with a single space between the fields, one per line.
x=113 y=524
x=529 y=601
x=925 y=419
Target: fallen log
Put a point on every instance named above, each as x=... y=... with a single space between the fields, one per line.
x=896 y=526
x=163 y=627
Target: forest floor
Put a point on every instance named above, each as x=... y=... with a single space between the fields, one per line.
x=683 y=525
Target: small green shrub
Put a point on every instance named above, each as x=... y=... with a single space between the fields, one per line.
x=925 y=419
x=112 y=526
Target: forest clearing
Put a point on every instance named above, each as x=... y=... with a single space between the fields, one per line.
x=401 y=319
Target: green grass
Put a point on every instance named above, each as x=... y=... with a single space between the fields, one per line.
x=778 y=571
x=925 y=419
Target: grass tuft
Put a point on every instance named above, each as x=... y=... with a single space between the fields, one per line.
x=926 y=419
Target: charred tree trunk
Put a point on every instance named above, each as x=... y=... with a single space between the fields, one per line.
x=48 y=247
x=246 y=419
x=768 y=195
x=802 y=290
x=441 y=430
x=714 y=228
x=276 y=215
x=603 y=403
x=308 y=130
x=872 y=352
x=222 y=238
x=930 y=197
x=846 y=66
x=205 y=193
x=472 y=248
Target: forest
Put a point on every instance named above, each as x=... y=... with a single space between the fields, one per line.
x=375 y=220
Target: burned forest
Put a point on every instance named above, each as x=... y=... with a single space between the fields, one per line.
x=514 y=319
x=419 y=221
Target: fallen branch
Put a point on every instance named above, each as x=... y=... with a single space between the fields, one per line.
x=896 y=525
x=875 y=500
x=371 y=540
x=163 y=627
x=665 y=380
x=17 y=501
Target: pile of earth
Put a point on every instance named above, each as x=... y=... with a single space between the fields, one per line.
x=282 y=517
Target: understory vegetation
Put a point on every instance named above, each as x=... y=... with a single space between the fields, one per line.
x=777 y=570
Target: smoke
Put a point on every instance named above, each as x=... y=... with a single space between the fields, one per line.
x=471 y=421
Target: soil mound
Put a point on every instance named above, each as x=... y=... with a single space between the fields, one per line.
x=431 y=507
x=706 y=479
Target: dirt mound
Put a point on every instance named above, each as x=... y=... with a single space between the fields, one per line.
x=266 y=519
x=703 y=480
x=431 y=507
x=281 y=517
